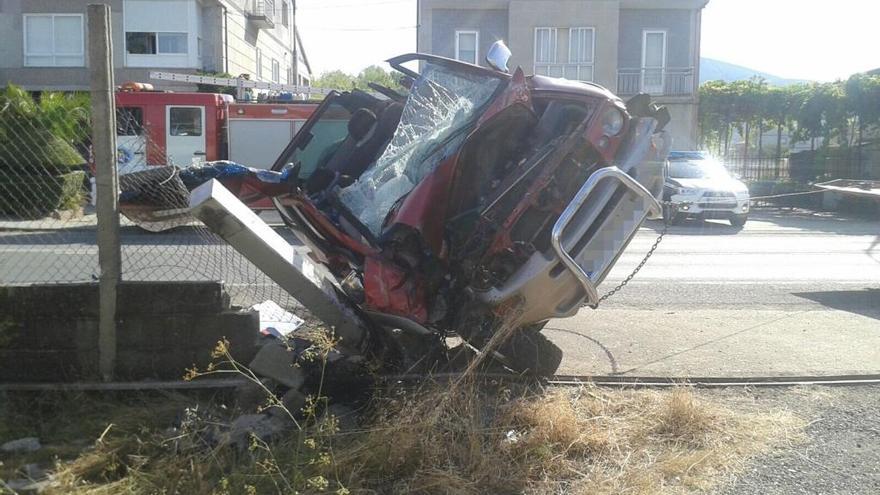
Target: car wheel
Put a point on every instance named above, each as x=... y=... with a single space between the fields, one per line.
x=530 y=352
x=738 y=220
x=678 y=219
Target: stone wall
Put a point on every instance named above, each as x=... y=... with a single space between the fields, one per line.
x=49 y=333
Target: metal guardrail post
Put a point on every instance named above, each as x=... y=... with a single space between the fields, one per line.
x=107 y=183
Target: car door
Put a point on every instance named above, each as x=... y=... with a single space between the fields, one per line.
x=185 y=137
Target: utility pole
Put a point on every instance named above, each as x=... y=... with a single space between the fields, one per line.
x=295 y=54
x=106 y=181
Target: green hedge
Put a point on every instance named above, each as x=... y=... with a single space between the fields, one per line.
x=38 y=153
x=35 y=196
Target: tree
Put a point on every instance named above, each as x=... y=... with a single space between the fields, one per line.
x=821 y=113
x=716 y=113
x=342 y=81
x=862 y=94
x=335 y=79
x=378 y=75
x=780 y=105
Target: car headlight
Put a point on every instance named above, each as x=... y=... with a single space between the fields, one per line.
x=612 y=122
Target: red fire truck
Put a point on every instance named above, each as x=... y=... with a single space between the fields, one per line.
x=161 y=128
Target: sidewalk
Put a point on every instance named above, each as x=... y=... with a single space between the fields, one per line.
x=88 y=220
x=718 y=342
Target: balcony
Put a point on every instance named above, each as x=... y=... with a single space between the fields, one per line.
x=658 y=82
x=573 y=70
x=262 y=14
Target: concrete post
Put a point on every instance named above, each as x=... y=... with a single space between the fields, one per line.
x=106 y=180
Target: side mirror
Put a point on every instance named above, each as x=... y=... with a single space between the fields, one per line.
x=498 y=56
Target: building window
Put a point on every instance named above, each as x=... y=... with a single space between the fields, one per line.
x=466 y=46
x=577 y=64
x=581 y=43
x=545 y=48
x=276 y=71
x=54 y=40
x=147 y=43
x=289 y=75
x=285 y=13
x=259 y=71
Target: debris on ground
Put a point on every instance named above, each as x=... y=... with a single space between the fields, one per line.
x=27 y=444
x=275 y=360
x=26 y=486
x=261 y=426
x=275 y=321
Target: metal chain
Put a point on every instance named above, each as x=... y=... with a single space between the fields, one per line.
x=621 y=285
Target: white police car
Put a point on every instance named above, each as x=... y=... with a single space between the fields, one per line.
x=701 y=187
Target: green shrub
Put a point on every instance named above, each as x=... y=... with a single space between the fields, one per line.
x=34 y=196
x=38 y=153
x=40 y=138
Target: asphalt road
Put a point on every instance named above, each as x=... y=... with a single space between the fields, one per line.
x=791 y=293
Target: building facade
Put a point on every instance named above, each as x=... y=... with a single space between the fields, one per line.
x=43 y=42
x=628 y=46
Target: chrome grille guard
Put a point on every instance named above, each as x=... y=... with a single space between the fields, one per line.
x=604 y=174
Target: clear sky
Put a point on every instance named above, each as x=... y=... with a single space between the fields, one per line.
x=803 y=39
x=819 y=40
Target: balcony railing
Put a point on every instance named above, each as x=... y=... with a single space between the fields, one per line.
x=572 y=70
x=661 y=82
x=262 y=13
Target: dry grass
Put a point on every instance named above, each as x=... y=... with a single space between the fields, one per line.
x=458 y=438
x=585 y=440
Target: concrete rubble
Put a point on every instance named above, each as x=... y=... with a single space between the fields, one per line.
x=276 y=361
x=26 y=444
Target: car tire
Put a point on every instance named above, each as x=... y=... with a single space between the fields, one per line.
x=530 y=352
x=738 y=220
x=678 y=219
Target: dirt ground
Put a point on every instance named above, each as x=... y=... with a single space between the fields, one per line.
x=841 y=454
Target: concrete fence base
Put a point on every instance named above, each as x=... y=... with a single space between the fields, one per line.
x=49 y=333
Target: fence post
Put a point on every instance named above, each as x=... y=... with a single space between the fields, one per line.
x=106 y=181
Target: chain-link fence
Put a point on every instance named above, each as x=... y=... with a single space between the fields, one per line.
x=48 y=228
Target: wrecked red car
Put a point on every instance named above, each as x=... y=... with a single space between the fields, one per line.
x=480 y=200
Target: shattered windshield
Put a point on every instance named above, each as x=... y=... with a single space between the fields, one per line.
x=442 y=102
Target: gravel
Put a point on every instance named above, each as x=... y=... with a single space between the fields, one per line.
x=841 y=454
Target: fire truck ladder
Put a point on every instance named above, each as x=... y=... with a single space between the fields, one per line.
x=239 y=82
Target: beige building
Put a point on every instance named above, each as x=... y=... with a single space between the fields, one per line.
x=628 y=46
x=43 y=42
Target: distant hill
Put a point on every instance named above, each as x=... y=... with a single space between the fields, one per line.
x=713 y=70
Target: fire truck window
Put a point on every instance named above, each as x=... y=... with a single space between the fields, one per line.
x=129 y=121
x=186 y=121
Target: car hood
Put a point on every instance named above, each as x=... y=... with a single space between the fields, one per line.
x=712 y=184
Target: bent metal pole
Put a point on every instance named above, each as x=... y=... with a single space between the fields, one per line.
x=106 y=181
